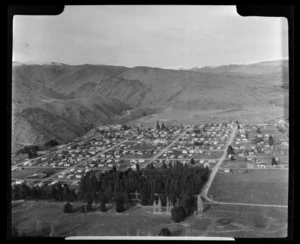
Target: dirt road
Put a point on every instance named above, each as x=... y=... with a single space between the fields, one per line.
x=216 y=168
x=250 y=204
x=163 y=150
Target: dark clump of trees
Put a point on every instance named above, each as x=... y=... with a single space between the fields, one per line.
x=274 y=161
x=157 y=125
x=120 y=201
x=165 y=232
x=56 y=193
x=51 y=143
x=83 y=208
x=185 y=208
x=68 y=208
x=102 y=203
x=198 y=143
x=192 y=161
x=271 y=140
x=230 y=150
x=125 y=127
x=173 y=183
x=178 y=214
x=258 y=130
x=31 y=151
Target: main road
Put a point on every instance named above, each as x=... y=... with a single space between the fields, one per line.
x=212 y=175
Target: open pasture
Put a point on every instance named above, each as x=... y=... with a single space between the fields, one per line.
x=267 y=186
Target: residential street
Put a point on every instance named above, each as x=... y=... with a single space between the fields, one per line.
x=163 y=150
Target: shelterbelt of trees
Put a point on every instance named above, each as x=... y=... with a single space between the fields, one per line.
x=31 y=150
x=176 y=183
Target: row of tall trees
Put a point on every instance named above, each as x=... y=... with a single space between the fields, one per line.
x=160 y=127
x=58 y=192
x=31 y=150
x=173 y=182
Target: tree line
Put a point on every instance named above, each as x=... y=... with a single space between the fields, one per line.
x=172 y=181
x=59 y=192
x=31 y=150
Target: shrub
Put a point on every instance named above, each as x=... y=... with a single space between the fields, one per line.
x=165 y=232
x=178 y=214
x=83 y=209
x=189 y=205
x=89 y=207
x=120 y=200
x=51 y=143
x=68 y=208
x=102 y=204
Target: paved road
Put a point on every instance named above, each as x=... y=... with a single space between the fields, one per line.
x=163 y=150
x=250 y=204
x=216 y=168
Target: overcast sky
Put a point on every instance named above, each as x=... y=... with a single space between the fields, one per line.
x=156 y=36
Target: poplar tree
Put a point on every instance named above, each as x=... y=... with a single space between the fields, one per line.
x=159 y=205
x=154 y=206
x=157 y=125
x=168 y=205
x=199 y=205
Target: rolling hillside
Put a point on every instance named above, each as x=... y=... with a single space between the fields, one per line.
x=64 y=101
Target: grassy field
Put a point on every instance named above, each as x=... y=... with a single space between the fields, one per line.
x=246 y=221
x=258 y=186
x=27 y=172
x=35 y=218
x=133 y=221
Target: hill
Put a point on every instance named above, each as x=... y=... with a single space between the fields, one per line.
x=59 y=101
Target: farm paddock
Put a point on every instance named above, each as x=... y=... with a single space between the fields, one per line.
x=260 y=186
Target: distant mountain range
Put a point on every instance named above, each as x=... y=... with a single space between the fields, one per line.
x=263 y=67
x=60 y=101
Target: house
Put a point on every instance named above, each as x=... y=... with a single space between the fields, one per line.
x=206 y=164
x=261 y=165
x=226 y=170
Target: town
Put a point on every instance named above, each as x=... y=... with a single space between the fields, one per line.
x=122 y=147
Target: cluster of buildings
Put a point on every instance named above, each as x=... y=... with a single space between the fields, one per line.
x=126 y=147
x=253 y=149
